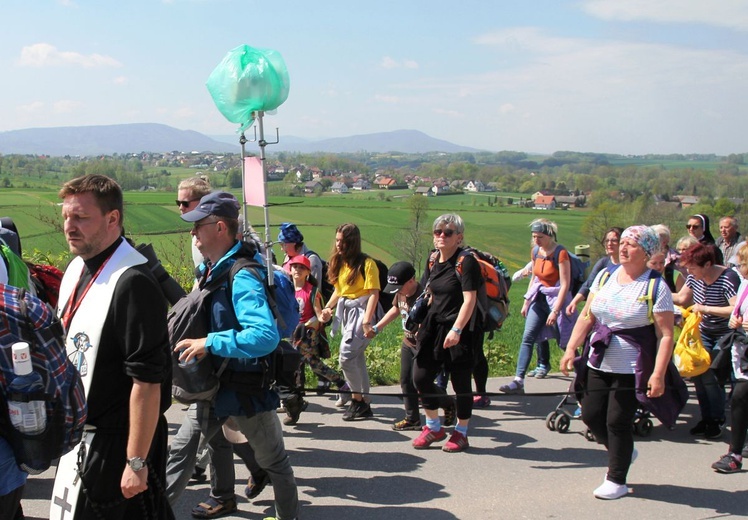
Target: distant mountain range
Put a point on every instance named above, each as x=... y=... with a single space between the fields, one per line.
x=405 y=141
x=152 y=137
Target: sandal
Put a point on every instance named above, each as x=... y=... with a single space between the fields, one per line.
x=255 y=487
x=213 y=508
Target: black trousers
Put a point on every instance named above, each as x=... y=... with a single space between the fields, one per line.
x=608 y=409
x=102 y=497
x=10 y=505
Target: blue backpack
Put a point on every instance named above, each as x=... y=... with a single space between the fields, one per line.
x=578 y=267
x=286 y=307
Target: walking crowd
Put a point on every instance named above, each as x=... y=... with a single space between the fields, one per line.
x=113 y=310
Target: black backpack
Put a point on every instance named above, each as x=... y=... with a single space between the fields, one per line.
x=327 y=287
x=190 y=318
x=385 y=300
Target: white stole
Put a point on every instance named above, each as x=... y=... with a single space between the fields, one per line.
x=82 y=341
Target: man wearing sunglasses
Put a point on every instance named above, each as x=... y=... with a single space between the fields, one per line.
x=189 y=193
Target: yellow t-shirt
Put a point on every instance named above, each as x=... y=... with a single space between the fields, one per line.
x=361 y=285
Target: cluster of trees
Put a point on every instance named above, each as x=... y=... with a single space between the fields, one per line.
x=627 y=179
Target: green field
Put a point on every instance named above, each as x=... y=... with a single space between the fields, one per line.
x=153 y=217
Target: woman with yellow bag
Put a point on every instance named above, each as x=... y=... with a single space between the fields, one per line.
x=712 y=290
x=689 y=356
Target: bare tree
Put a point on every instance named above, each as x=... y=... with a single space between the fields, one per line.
x=413 y=242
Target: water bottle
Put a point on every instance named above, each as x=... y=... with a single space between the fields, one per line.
x=28 y=417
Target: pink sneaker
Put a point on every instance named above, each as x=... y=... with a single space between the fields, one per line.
x=457 y=442
x=428 y=437
x=481 y=401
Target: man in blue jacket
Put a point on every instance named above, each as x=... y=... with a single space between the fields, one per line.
x=243 y=330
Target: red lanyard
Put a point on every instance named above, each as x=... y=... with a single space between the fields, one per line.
x=73 y=303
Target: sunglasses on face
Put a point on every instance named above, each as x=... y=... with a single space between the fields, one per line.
x=446 y=232
x=185 y=203
x=692 y=226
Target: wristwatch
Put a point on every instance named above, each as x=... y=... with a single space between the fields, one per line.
x=457 y=330
x=136 y=463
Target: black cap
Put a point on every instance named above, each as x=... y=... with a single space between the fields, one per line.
x=398 y=275
x=216 y=203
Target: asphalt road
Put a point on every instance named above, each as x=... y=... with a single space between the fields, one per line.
x=515 y=468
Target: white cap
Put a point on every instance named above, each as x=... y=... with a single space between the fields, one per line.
x=22 y=359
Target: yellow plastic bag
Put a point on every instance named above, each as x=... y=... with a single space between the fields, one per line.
x=690 y=357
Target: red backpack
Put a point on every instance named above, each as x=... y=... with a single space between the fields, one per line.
x=46 y=280
x=493 y=295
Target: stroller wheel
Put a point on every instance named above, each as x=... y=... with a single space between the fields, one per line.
x=589 y=435
x=643 y=427
x=550 y=421
x=562 y=423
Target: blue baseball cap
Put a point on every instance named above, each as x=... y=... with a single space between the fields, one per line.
x=216 y=203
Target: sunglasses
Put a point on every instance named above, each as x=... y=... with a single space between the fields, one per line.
x=692 y=226
x=185 y=203
x=197 y=225
x=446 y=232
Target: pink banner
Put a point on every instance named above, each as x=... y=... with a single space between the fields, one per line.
x=254 y=188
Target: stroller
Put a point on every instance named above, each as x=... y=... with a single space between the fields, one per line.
x=559 y=420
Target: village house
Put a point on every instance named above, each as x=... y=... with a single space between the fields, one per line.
x=313 y=186
x=545 y=202
x=339 y=187
x=361 y=184
x=386 y=183
x=475 y=186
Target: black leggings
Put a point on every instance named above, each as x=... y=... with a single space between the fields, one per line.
x=608 y=409
x=739 y=416
x=424 y=372
x=480 y=371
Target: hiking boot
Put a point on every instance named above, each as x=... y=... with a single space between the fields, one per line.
x=450 y=414
x=713 y=430
x=699 y=429
x=428 y=437
x=294 y=406
x=456 y=443
x=481 y=401
x=344 y=398
x=406 y=425
x=515 y=387
x=323 y=387
x=358 y=410
x=729 y=463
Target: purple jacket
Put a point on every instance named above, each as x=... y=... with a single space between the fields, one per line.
x=666 y=407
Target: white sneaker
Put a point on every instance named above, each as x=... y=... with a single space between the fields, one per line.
x=610 y=490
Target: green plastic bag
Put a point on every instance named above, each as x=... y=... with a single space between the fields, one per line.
x=248 y=80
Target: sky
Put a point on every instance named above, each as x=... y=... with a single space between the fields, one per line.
x=612 y=76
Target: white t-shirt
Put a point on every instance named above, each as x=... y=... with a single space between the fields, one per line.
x=738 y=353
x=624 y=306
